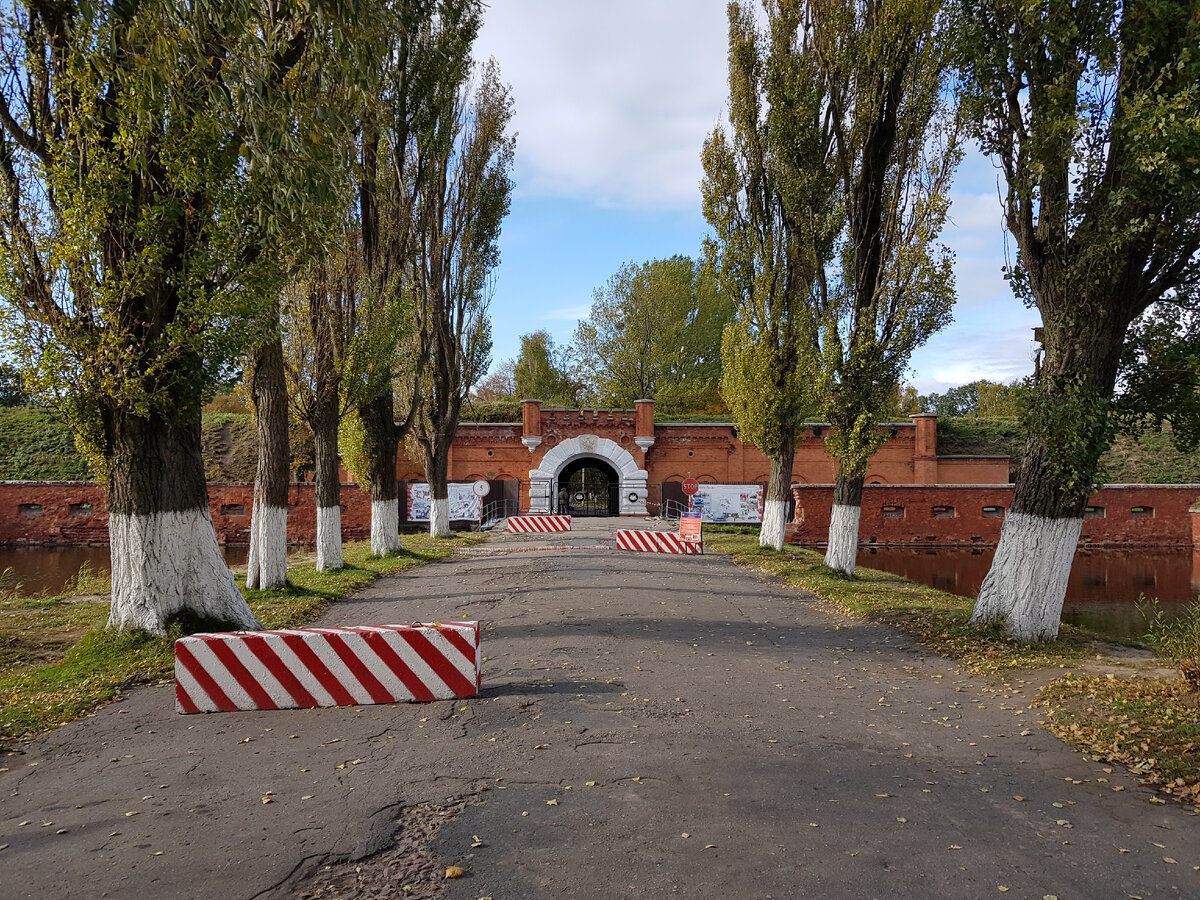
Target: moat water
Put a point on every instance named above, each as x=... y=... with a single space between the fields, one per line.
x=1103 y=593
x=1105 y=587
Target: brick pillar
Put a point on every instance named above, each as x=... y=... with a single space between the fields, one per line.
x=531 y=424
x=644 y=427
x=1195 y=514
x=925 y=467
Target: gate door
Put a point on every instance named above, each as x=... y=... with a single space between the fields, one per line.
x=588 y=487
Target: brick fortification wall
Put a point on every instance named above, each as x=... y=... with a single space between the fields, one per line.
x=1121 y=514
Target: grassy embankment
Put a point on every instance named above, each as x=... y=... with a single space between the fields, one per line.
x=59 y=662
x=1150 y=725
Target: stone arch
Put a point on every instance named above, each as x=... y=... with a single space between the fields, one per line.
x=543 y=479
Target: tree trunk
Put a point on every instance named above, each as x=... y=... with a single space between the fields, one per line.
x=328 y=488
x=382 y=445
x=1027 y=582
x=436 y=465
x=267 y=566
x=163 y=547
x=779 y=494
x=841 y=552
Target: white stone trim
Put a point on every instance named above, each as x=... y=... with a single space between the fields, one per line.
x=531 y=442
x=774 y=524
x=267 y=565
x=644 y=443
x=329 y=538
x=168 y=561
x=439 y=517
x=841 y=553
x=385 y=526
x=1027 y=583
x=632 y=480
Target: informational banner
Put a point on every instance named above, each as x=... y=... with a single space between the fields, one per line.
x=689 y=527
x=465 y=504
x=730 y=502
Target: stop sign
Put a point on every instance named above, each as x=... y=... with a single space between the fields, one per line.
x=690 y=486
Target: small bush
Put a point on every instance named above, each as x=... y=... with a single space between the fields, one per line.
x=1176 y=638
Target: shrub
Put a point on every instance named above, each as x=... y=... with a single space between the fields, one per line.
x=1176 y=638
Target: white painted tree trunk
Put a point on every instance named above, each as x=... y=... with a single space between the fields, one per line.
x=165 y=561
x=385 y=527
x=267 y=567
x=841 y=553
x=439 y=517
x=774 y=524
x=1027 y=583
x=329 y=538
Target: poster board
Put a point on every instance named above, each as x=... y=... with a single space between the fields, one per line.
x=690 y=527
x=732 y=503
x=465 y=504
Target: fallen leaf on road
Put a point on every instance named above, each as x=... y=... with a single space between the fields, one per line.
x=1002 y=889
x=552 y=803
x=1168 y=859
x=454 y=872
x=307 y=797
x=589 y=784
x=685 y=835
x=901 y=819
x=1018 y=798
x=954 y=847
x=710 y=846
x=268 y=799
x=133 y=813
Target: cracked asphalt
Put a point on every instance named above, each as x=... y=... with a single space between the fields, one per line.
x=649 y=726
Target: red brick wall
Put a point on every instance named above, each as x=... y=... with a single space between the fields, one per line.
x=54 y=513
x=911 y=517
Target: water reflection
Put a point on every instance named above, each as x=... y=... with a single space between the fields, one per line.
x=1102 y=593
x=49 y=567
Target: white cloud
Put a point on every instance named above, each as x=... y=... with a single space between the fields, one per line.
x=567 y=313
x=613 y=100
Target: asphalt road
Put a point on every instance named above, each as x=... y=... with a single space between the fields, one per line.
x=649 y=726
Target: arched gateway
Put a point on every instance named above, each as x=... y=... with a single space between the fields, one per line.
x=544 y=481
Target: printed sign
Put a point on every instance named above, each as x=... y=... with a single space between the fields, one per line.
x=465 y=504
x=690 y=486
x=730 y=502
x=481 y=488
x=689 y=527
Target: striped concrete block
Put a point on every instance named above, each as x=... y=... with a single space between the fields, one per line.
x=655 y=542
x=544 y=523
x=308 y=667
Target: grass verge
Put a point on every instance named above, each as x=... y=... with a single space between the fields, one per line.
x=935 y=618
x=58 y=661
x=1150 y=725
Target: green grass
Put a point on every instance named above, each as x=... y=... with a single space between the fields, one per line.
x=58 y=661
x=1150 y=725
x=37 y=446
x=937 y=619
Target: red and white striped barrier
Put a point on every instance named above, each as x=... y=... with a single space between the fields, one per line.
x=308 y=667
x=531 y=524
x=655 y=542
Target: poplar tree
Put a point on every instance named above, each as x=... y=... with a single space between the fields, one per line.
x=894 y=144
x=151 y=160
x=772 y=199
x=459 y=210
x=1092 y=110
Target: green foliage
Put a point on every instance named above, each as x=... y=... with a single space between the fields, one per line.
x=156 y=154
x=654 y=333
x=36 y=445
x=12 y=389
x=978 y=398
x=1102 y=198
x=772 y=200
x=491 y=411
x=543 y=372
x=894 y=146
x=1175 y=637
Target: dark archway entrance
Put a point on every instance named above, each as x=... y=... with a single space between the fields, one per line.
x=589 y=487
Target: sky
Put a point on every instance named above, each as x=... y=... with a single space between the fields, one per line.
x=613 y=102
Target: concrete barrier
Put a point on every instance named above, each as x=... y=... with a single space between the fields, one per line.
x=309 y=667
x=655 y=542
x=538 y=524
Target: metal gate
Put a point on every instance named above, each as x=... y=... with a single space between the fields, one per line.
x=588 y=491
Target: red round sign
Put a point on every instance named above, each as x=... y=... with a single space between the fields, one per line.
x=690 y=486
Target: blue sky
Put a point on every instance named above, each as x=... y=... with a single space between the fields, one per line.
x=613 y=102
